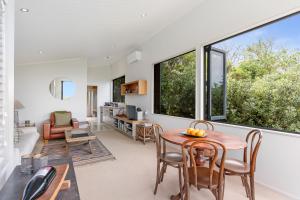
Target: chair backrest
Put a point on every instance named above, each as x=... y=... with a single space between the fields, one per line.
x=217 y=149
x=52 y=117
x=207 y=124
x=253 y=141
x=160 y=143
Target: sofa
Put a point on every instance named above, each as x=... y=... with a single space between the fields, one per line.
x=58 y=123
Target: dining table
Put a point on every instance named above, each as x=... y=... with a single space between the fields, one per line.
x=178 y=137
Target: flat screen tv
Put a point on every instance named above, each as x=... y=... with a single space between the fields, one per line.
x=131 y=112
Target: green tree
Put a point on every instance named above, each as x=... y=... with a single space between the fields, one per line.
x=263 y=89
x=178 y=86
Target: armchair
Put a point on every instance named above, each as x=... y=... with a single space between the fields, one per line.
x=55 y=129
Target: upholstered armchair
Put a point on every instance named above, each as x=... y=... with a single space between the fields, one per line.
x=58 y=123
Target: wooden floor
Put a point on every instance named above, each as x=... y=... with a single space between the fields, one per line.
x=132 y=175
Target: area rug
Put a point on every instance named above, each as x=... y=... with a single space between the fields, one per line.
x=80 y=153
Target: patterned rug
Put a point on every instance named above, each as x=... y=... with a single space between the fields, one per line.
x=80 y=153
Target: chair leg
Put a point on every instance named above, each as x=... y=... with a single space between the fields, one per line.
x=252 y=193
x=186 y=184
x=180 y=182
x=157 y=176
x=221 y=192
x=163 y=171
x=221 y=195
x=246 y=185
x=243 y=181
x=215 y=193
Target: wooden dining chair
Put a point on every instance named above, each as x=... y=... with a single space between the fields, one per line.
x=208 y=176
x=208 y=125
x=245 y=168
x=173 y=159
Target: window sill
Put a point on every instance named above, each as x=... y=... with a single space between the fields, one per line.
x=174 y=117
x=248 y=128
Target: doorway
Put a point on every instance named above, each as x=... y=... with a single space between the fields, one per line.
x=91 y=101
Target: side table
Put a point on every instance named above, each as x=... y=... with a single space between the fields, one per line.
x=144 y=132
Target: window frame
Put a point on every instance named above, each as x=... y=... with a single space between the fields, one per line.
x=113 y=86
x=206 y=77
x=156 y=85
x=207 y=57
x=253 y=28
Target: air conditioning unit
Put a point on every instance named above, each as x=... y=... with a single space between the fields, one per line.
x=134 y=57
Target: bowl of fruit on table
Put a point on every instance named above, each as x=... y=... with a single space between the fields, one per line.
x=194 y=132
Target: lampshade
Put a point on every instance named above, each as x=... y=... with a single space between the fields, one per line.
x=18 y=105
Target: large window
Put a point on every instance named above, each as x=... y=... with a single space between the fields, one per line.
x=253 y=78
x=174 y=86
x=117 y=97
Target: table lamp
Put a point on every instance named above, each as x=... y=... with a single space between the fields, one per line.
x=17 y=106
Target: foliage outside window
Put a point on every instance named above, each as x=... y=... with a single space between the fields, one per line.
x=174 y=86
x=117 y=97
x=263 y=76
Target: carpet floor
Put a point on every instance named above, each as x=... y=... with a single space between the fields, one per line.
x=80 y=153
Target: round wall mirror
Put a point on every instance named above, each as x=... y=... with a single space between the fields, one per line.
x=62 y=88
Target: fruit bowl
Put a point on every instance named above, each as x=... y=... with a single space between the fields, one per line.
x=194 y=133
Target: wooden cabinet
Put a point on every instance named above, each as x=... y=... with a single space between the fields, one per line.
x=138 y=87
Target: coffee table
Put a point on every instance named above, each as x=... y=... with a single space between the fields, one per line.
x=79 y=136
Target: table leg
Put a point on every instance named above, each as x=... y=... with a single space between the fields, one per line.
x=90 y=145
x=67 y=148
x=200 y=160
x=144 y=135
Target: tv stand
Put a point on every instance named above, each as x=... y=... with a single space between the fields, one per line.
x=126 y=126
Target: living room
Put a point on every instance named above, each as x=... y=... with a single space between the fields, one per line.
x=54 y=50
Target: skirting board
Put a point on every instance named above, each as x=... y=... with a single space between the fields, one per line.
x=288 y=195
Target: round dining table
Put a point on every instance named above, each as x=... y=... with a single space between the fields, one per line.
x=177 y=137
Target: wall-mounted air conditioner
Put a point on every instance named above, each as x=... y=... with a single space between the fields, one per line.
x=134 y=57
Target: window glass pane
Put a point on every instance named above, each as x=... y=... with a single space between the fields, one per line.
x=263 y=76
x=68 y=89
x=175 y=86
x=217 y=83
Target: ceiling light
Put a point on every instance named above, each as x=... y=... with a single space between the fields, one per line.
x=143 y=15
x=24 y=10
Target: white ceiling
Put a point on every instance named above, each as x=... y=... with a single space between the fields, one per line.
x=93 y=29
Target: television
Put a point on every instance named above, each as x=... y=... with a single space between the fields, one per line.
x=131 y=112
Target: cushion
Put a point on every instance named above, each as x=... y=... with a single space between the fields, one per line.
x=62 y=118
x=60 y=129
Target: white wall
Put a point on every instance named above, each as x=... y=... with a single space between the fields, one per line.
x=99 y=73
x=100 y=77
x=278 y=166
x=32 y=89
x=119 y=69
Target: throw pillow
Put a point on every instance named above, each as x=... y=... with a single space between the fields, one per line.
x=62 y=118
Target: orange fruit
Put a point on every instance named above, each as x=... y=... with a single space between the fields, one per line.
x=200 y=133
x=189 y=130
x=193 y=132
